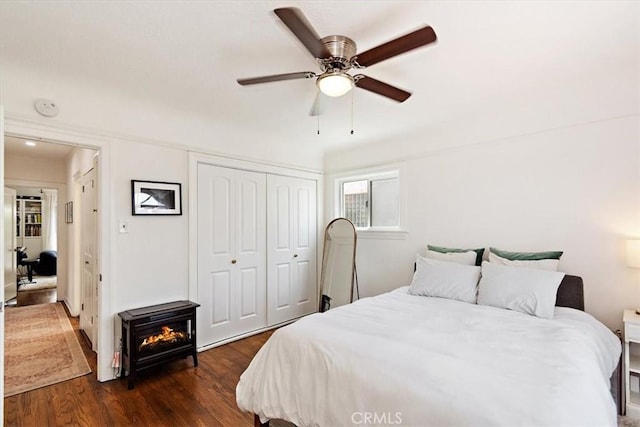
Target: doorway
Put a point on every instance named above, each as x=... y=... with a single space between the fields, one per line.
x=35 y=233
x=49 y=217
x=89 y=142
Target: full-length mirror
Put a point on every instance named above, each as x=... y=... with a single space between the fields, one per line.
x=338 y=280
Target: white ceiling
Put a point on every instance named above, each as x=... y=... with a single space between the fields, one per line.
x=187 y=54
x=46 y=150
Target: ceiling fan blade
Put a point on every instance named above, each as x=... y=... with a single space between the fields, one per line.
x=381 y=88
x=276 y=78
x=397 y=46
x=302 y=29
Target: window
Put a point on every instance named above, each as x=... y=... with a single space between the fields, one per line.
x=372 y=201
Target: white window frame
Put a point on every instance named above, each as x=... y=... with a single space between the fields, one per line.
x=392 y=232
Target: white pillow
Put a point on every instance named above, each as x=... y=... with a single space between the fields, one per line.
x=526 y=290
x=540 y=264
x=435 y=278
x=467 y=258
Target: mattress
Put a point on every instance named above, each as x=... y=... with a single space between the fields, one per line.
x=415 y=361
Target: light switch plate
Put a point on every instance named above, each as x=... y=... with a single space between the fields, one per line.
x=123 y=227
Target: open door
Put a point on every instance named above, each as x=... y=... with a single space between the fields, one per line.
x=10 y=254
x=89 y=288
x=2 y=255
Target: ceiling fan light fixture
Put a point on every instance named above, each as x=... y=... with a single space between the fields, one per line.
x=335 y=84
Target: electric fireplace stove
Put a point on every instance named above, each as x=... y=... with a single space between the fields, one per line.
x=157 y=334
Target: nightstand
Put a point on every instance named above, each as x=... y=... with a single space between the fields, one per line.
x=632 y=362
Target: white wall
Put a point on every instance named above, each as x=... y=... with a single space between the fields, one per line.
x=150 y=262
x=575 y=189
x=34 y=169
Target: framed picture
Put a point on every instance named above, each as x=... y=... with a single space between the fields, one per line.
x=68 y=212
x=156 y=198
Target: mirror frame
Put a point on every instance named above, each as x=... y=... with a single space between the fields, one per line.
x=324 y=260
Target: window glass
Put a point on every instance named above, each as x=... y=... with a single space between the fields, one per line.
x=355 y=202
x=371 y=202
x=385 y=210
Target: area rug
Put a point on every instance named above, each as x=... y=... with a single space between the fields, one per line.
x=41 y=348
x=39 y=282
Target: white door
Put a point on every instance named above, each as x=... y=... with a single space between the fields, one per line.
x=10 y=255
x=89 y=291
x=291 y=248
x=1 y=261
x=231 y=253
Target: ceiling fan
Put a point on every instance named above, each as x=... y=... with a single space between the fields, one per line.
x=337 y=54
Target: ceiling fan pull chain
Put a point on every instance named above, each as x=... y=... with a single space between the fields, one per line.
x=352 y=111
x=318 y=109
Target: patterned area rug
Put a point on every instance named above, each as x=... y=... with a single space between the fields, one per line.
x=41 y=348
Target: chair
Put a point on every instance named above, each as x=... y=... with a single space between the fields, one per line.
x=47 y=263
x=24 y=261
x=22 y=253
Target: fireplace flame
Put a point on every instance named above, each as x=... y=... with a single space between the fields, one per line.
x=167 y=335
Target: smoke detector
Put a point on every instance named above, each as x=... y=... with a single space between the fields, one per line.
x=46 y=107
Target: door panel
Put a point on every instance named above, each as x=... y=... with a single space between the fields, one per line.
x=248 y=215
x=219 y=201
x=284 y=285
x=304 y=227
x=291 y=249
x=283 y=216
x=220 y=301
x=303 y=275
x=231 y=216
x=249 y=293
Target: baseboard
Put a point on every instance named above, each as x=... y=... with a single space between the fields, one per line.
x=68 y=307
x=245 y=335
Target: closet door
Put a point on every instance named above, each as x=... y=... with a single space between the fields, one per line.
x=291 y=248
x=231 y=253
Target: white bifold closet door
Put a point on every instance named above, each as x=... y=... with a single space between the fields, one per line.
x=291 y=248
x=231 y=252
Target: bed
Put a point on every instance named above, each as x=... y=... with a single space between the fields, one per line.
x=401 y=359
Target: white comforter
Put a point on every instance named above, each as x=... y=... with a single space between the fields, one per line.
x=399 y=359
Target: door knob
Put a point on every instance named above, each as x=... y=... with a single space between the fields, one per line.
x=233 y=261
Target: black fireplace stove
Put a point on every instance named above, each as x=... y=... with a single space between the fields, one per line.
x=157 y=334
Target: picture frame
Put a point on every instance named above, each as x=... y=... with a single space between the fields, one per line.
x=156 y=198
x=68 y=212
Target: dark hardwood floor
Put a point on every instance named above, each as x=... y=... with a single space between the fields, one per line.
x=176 y=394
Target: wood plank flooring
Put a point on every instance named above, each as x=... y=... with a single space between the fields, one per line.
x=176 y=394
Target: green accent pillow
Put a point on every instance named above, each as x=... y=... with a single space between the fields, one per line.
x=527 y=256
x=443 y=250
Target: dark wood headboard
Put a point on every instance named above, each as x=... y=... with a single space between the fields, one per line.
x=570 y=292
